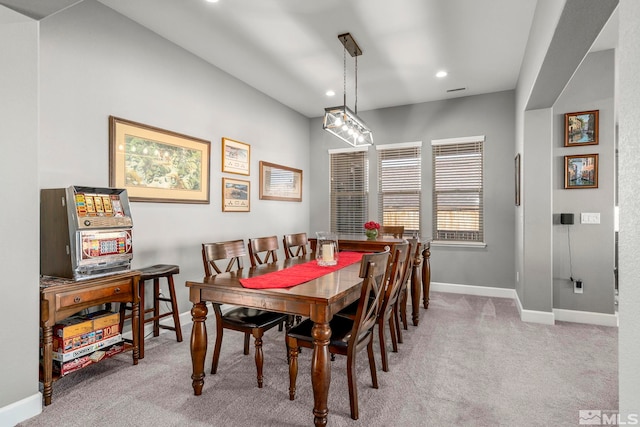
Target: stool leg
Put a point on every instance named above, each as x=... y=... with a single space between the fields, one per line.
x=141 y=322
x=156 y=307
x=174 y=309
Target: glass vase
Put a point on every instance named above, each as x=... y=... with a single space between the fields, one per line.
x=371 y=234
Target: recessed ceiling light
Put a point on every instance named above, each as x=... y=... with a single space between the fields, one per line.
x=330 y=93
x=212 y=1
x=441 y=74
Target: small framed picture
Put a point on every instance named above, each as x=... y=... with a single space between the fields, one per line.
x=581 y=171
x=235 y=156
x=235 y=195
x=279 y=182
x=581 y=128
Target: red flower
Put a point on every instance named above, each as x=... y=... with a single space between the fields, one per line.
x=371 y=225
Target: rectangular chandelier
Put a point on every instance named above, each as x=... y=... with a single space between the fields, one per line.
x=346 y=125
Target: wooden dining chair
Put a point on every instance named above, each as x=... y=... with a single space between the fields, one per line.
x=295 y=245
x=412 y=268
x=396 y=231
x=347 y=336
x=263 y=250
x=250 y=321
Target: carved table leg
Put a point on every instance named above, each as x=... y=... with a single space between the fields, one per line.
x=426 y=275
x=198 y=345
x=415 y=291
x=47 y=363
x=135 y=331
x=320 y=372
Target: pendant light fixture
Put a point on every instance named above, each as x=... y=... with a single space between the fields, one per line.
x=340 y=120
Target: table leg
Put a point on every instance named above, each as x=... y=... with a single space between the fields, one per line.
x=47 y=363
x=426 y=275
x=415 y=291
x=198 y=345
x=320 y=372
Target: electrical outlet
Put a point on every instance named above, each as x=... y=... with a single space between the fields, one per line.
x=590 y=218
x=578 y=286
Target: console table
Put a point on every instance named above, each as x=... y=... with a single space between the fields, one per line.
x=61 y=298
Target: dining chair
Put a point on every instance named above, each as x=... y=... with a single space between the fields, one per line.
x=414 y=259
x=250 y=321
x=268 y=245
x=394 y=230
x=347 y=336
x=295 y=245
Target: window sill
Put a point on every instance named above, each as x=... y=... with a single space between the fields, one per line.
x=458 y=244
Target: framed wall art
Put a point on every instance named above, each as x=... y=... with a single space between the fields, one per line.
x=235 y=195
x=517 y=178
x=581 y=128
x=581 y=171
x=280 y=183
x=236 y=156
x=157 y=165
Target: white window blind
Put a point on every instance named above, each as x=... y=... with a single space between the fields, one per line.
x=349 y=191
x=458 y=190
x=399 y=186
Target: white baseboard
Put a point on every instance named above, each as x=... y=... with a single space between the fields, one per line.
x=483 y=291
x=588 y=317
x=21 y=410
x=534 y=316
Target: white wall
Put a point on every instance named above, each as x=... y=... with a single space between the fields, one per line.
x=19 y=304
x=491 y=115
x=96 y=63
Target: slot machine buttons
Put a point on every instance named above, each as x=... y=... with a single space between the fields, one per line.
x=87 y=222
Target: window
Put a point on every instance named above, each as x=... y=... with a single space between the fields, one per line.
x=349 y=190
x=399 y=185
x=458 y=189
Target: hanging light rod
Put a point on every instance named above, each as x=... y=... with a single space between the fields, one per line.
x=342 y=121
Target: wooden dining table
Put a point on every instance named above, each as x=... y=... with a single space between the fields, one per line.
x=319 y=299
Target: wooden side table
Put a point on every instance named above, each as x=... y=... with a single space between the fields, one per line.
x=61 y=298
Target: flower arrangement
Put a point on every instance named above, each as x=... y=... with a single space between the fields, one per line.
x=371 y=225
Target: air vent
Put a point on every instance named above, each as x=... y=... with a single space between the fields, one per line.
x=457 y=89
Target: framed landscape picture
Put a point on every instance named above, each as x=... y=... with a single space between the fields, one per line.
x=581 y=128
x=235 y=195
x=581 y=171
x=157 y=165
x=280 y=183
x=236 y=156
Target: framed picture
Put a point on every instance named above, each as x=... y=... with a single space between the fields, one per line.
x=517 y=180
x=157 y=165
x=235 y=195
x=581 y=128
x=581 y=171
x=280 y=183
x=235 y=156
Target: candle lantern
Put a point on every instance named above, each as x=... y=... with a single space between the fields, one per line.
x=327 y=248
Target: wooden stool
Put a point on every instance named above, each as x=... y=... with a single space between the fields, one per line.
x=155 y=272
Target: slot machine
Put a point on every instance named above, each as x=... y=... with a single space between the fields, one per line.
x=85 y=232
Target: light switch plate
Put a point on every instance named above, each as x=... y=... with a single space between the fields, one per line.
x=590 y=218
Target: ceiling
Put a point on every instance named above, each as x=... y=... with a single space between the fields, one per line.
x=289 y=49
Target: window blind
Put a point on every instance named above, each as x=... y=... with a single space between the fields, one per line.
x=399 y=187
x=349 y=191
x=458 y=191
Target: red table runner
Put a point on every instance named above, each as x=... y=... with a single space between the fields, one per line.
x=299 y=273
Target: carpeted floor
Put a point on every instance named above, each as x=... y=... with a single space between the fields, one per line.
x=470 y=362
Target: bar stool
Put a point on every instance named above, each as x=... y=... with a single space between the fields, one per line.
x=155 y=272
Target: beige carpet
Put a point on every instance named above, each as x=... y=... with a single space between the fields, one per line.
x=470 y=362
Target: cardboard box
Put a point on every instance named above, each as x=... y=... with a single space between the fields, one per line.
x=85 y=350
x=72 y=326
x=103 y=318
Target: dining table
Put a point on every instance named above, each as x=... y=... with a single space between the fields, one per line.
x=421 y=265
x=319 y=299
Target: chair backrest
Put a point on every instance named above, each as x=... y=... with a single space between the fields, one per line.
x=414 y=249
x=295 y=245
x=232 y=250
x=269 y=245
x=373 y=269
x=399 y=261
x=395 y=230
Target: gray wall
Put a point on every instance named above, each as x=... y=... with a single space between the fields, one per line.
x=628 y=113
x=96 y=63
x=592 y=246
x=491 y=115
x=19 y=304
